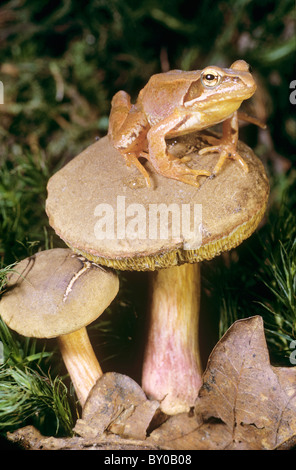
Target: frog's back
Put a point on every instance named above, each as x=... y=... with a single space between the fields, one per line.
x=164 y=92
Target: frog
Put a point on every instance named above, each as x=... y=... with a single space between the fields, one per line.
x=177 y=103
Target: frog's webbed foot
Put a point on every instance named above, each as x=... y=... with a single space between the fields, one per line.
x=225 y=150
x=174 y=168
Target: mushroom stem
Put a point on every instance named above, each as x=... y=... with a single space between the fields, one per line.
x=81 y=362
x=172 y=366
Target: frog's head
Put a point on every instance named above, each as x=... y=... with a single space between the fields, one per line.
x=219 y=87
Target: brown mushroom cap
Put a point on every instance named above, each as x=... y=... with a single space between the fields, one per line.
x=233 y=203
x=55 y=292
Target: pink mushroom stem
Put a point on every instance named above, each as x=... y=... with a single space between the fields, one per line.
x=172 y=367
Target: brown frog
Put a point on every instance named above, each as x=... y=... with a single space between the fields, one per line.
x=177 y=103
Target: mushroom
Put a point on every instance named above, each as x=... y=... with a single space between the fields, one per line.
x=103 y=210
x=56 y=293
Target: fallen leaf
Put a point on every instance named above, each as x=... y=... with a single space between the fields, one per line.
x=244 y=402
x=117 y=404
x=135 y=425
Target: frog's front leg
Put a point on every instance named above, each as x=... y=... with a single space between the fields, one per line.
x=165 y=163
x=227 y=145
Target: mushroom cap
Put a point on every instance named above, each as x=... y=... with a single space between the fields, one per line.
x=56 y=292
x=232 y=204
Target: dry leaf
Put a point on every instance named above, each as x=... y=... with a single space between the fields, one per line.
x=244 y=402
x=135 y=425
x=118 y=404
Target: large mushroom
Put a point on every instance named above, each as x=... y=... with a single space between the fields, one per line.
x=103 y=210
x=56 y=293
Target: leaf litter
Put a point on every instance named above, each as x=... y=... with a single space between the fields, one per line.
x=244 y=403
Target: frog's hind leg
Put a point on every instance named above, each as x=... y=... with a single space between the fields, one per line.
x=120 y=107
x=128 y=125
x=127 y=130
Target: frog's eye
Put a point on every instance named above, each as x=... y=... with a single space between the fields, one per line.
x=210 y=78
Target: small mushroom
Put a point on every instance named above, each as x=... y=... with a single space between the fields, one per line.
x=96 y=190
x=56 y=293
